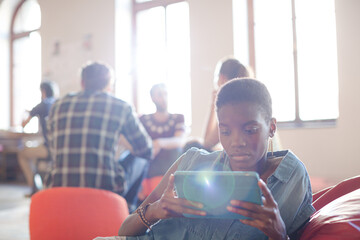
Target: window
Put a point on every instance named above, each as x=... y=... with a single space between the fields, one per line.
x=162 y=54
x=292 y=48
x=25 y=54
x=5 y=19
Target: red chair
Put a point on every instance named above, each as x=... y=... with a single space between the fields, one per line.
x=325 y=196
x=76 y=213
x=149 y=185
x=337 y=213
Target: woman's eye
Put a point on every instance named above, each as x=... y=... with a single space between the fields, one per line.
x=252 y=130
x=225 y=132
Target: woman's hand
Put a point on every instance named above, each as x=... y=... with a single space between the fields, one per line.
x=169 y=205
x=266 y=217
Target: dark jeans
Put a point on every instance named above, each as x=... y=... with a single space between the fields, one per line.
x=135 y=171
x=163 y=161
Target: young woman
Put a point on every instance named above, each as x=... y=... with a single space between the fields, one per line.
x=245 y=125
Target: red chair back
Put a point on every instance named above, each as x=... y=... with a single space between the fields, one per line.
x=337 y=213
x=76 y=213
x=323 y=197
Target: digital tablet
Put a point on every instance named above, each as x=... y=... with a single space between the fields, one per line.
x=215 y=190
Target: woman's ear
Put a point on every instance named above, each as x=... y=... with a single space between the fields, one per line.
x=272 y=127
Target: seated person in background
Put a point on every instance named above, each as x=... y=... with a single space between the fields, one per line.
x=135 y=170
x=168 y=134
x=226 y=69
x=28 y=155
x=245 y=120
x=84 y=130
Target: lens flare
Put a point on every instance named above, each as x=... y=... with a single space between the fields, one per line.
x=213 y=191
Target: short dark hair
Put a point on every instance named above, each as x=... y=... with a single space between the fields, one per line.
x=156 y=86
x=96 y=76
x=245 y=90
x=232 y=68
x=48 y=87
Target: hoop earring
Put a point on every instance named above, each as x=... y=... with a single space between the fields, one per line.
x=271 y=148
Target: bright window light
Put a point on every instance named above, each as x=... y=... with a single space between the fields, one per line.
x=163 y=55
x=28 y=17
x=299 y=44
x=274 y=54
x=27 y=78
x=317 y=59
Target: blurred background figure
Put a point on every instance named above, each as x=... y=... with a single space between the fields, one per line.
x=167 y=131
x=226 y=69
x=84 y=130
x=27 y=157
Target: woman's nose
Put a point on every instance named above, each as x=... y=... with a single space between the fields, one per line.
x=238 y=140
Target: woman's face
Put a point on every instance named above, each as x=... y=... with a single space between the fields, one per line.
x=244 y=134
x=159 y=98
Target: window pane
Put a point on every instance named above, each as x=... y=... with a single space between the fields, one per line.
x=178 y=59
x=123 y=51
x=163 y=55
x=151 y=55
x=274 y=54
x=28 y=17
x=5 y=17
x=317 y=59
x=27 y=77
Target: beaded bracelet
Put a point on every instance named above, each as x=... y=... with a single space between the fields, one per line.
x=141 y=213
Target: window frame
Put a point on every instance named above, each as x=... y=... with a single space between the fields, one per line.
x=13 y=37
x=297 y=123
x=138 y=7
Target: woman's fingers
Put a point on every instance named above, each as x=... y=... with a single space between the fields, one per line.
x=180 y=206
x=170 y=186
x=265 y=217
x=255 y=211
x=267 y=194
x=177 y=206
x=245 y=209
x=169 y=191
x=174 y=206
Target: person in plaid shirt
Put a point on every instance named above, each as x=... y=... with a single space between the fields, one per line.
x=84 y=130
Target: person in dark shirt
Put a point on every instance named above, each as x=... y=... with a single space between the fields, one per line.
x=167 y=131
x=28 y=155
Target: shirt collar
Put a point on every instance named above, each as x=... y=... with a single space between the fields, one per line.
x=286 y=167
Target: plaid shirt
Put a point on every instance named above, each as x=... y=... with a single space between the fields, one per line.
x=83 y=133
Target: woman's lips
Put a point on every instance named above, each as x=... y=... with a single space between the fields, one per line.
x=240 y=157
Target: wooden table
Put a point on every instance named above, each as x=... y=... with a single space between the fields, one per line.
x=11 y=142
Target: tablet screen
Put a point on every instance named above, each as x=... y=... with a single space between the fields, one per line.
x=215 y=189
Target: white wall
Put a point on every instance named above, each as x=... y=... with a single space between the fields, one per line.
x=69 y=22
x=327 y=152
x=211 y=38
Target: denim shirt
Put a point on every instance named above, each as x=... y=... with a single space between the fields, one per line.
x=289 y=185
